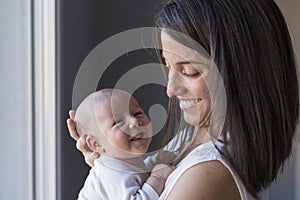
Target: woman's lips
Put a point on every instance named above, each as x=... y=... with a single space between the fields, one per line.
x=188 y=103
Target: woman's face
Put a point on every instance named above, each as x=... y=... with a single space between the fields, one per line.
x=187 y=71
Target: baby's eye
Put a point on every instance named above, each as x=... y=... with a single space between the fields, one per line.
x=118 y=122
x=139 y=113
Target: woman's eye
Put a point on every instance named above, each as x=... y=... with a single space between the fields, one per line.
x=192 y=75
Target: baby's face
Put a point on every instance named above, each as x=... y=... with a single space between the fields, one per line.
x=126 y=129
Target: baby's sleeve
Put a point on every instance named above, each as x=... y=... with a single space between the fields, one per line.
x=146 y=192
x=90 y=189
x=129 y=186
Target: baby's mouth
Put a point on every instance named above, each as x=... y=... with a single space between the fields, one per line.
x=136 y=138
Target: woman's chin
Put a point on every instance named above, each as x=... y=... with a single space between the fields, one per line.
x=190 y=119
x=193 y=119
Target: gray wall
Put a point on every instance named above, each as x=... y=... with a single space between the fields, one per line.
x=82 y=26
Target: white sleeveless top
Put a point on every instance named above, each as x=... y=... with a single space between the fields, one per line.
x=202 y=153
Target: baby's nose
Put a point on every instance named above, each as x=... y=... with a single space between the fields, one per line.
x=134 y=122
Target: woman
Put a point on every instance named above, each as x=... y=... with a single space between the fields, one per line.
x=248 y=41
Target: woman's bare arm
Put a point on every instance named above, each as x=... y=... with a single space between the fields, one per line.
x=210 y=180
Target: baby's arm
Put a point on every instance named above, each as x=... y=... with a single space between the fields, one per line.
x=170 y=154
x=160 y=157
x=132 y=189
x=159 y=176
x=106 y=183
x=150 y=190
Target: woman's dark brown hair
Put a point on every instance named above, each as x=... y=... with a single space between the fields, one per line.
x=251 y=46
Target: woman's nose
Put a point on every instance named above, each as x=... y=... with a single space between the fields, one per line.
x=170 y=93
x=175 y=86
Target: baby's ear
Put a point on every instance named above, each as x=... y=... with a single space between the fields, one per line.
x=94 y=144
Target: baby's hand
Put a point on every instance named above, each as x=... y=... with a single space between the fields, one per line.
x=159 y=176
x=162 y=171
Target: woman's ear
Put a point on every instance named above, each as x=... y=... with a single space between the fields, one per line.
x=94 y=144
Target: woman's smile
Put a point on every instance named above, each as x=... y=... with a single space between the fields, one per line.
x=186 y=104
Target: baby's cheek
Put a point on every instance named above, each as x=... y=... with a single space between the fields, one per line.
x=146 y=121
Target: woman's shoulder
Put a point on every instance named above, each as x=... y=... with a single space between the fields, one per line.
x=208 y=180
x=204 y=172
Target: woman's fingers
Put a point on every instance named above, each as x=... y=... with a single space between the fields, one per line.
x=80 y=145
x=71 y=125
x=72 y=114
x=88 y=155
x=89 y=159
x=96 y=155
x=72 y=129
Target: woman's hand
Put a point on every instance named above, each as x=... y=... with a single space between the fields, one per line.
x=89 y=156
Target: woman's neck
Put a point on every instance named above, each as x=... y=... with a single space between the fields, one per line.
x=201 y=136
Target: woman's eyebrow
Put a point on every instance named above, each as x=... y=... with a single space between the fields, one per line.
x=186 y=62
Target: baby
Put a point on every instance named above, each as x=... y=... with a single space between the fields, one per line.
x=118 y=129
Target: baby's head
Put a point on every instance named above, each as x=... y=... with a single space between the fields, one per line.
x=114 y=123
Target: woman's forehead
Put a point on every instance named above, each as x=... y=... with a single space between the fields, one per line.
x=174 y=49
